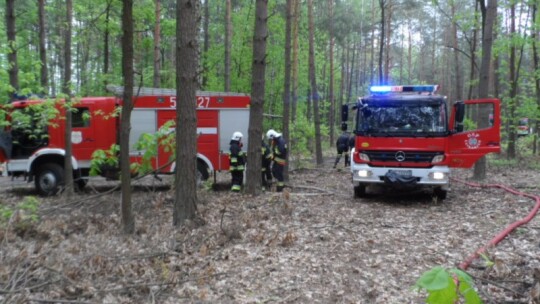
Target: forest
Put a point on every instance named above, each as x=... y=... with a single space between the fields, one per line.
x=300 y=61
x=356 y=44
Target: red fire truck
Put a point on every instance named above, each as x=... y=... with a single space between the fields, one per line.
x=409 y=136
x=39 y=154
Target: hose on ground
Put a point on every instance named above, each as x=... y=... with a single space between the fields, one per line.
x=501 y=235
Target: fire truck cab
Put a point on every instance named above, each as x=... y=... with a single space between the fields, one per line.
x=35 y=147
x=409 y=136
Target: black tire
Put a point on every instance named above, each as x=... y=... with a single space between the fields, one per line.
x=49 y=179
x=360 y=191
x=440 y=193
x=202 y=172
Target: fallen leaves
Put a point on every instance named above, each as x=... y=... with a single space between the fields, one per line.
x=307 y=244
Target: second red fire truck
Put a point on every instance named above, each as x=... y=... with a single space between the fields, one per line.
x=37 y=150
x=409 y=136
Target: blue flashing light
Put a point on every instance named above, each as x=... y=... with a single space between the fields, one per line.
x=404 y=89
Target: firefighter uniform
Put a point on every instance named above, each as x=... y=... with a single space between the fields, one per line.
x=266 y=171
x=237 y=159
x=342 y=146
x=279 y=151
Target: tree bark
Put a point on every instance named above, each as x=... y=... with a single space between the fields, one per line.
x=313 y=82
x=483 y=86
x=511 y=150
x=68 y=168
x=106 y=44
x=13 y=68
x=157 y=46
x=228 y=37
x=536 y=66
x=287 y=80
x=295 y=26
x=457 y=67
x=206 y=41
x=128 y=221
x=42 y=49
x=382 y=4
x=253 y=185
x=332 y=112
x=185 y=205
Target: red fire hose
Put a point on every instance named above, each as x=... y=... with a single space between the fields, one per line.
x=499 y=237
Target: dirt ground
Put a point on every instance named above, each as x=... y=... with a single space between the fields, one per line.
x=314 y=243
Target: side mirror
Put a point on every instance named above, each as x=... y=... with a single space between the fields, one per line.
x=344 y=113
x=459 y=108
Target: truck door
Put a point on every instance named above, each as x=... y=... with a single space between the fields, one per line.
x=83 y=135
x=475 y=126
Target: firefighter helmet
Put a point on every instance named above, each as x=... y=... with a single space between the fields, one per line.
x=271 y=134
x=237 y=136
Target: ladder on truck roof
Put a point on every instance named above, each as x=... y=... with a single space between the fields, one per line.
x=146 y=91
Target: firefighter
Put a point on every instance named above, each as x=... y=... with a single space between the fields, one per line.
x=266 y=173
x=237 y=159
x=342 y=146
x=279 y=156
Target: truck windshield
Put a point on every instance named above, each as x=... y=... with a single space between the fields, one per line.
x=408 y=119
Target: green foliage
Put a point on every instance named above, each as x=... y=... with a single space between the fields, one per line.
x=448 y=286
x=104 y=158
x=32 y=121
x=469 y=124
x=27 y=209
x=148 y=144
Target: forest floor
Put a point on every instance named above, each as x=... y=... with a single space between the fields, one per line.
x=314 y=243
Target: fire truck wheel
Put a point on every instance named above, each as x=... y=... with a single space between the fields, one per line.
x=202 y=172
x=360 y=191
x=439 y=193
x=49 y=178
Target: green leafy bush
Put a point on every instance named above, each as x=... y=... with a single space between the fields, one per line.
x=448 y=286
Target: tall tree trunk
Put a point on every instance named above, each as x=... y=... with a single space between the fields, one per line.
x=351 y=72
x=287 y=80
x=295 y=26
x=409 y=57
x=313 y=82
x=473 y=46
x=260 y=34
x=388 y=38
x=457 y=65
x=128 y=221
x=228 y=38
x=13 y=68
x=68 y=168
x=483 y=86
x=511 y=150
x=157 y=45
x=332 y=112
x=44 y=82
x=206 y=41
x=536 y=60
x=185 y=205
x=382 y=4
x=106 y=43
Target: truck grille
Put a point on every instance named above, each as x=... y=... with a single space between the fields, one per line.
x=401 y=156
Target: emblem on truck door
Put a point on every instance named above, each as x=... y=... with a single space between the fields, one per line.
x=473 y=141
x=400 y=156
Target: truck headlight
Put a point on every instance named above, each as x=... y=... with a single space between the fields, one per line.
x=437 y=159
x=364 y=173
x=363 y=156
x=438 y=175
